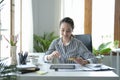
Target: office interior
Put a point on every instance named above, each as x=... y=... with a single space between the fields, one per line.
x=28 y=17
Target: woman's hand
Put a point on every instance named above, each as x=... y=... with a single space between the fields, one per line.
x=81 y=61
x=55 y=54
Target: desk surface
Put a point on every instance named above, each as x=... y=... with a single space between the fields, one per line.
x=68 y=75
x=82 y=75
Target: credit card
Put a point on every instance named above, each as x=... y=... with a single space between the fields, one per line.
x=72 y=58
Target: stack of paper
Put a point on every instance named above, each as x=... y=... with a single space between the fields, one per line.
x=27 y=68
x=98 y=67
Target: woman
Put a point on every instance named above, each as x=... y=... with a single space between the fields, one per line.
x=68 y=49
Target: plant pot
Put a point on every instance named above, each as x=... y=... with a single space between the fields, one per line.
x=100 y=58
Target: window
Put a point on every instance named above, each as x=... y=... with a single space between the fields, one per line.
x=102 y=18
x=22 y=25
x=102 y=21
x=75 y=10
x=5 y=24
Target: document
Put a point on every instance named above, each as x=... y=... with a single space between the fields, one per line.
x=98 y=67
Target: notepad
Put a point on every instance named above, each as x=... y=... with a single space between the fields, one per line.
x=42 y=72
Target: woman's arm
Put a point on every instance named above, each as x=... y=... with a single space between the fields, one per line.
x=86 y=54
x=51 y=53
x=47 y=57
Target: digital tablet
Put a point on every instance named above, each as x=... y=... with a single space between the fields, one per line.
x=62 y=66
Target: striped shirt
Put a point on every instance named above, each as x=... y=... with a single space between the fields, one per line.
x=75 y=48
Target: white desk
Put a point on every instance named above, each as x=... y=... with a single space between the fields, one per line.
x=69 y=75
x=82 y=75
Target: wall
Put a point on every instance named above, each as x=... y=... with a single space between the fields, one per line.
x=46 y=15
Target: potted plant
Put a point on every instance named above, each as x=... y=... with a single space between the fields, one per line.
x=116 y=43
x=7 y=72
x=103 y=49
x=12 y=42
x=41 y=43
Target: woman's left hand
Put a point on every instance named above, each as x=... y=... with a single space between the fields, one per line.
x=81 y=61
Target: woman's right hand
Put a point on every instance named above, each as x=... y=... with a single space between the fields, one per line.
x=81 y=61
x=54 y=54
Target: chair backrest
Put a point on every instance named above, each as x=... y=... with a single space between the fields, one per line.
x=86 y=39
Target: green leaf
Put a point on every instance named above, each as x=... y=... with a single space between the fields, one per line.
x=42 y=43
x=102 y=49
x=107 y=50
x=104 y=45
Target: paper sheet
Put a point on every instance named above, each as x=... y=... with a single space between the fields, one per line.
x=98 y=67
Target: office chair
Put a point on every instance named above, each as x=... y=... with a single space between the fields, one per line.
x=86 y=39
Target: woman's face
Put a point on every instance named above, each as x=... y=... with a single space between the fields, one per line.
x=65 y=30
